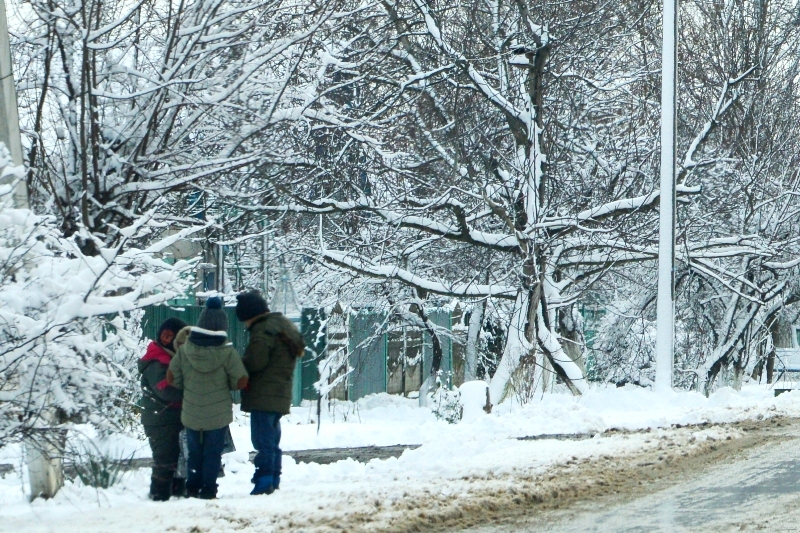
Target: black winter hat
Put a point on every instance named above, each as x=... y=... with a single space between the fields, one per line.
x=213 y=317
x=173 y=324
x=249 y=305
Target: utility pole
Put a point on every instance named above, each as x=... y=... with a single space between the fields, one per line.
x=9 y=118
x=43 y=454
x=665 y=319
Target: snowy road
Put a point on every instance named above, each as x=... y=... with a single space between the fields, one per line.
x=757 y=492
x=478 y=473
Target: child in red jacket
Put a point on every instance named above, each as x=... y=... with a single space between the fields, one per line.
x=161 y=411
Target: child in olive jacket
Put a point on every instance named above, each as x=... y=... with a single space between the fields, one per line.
x=270 y=358
x=207 y=368
x=160 y=406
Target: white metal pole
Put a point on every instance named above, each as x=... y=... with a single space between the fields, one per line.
x=665 y=328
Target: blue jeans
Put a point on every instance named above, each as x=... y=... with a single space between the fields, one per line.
x=205 y=458
x=265 y=433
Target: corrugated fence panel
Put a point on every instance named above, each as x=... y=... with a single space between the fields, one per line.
x=367 y=354
x=154 y=315
x=297 y=383
x=312 y=326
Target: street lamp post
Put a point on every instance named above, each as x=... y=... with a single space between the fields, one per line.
x=665 y=319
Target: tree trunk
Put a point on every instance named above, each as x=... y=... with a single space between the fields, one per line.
x=738 y=375
x=516 y=346
x=473 y=334
x=572 y=336
x=436 y=362
x=771 y=364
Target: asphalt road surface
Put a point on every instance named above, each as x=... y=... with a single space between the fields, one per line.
x=759 y=491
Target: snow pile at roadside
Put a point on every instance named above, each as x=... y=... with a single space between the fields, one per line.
x=385 y=420
x=480 y=448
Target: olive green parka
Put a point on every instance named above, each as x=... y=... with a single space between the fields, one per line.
x=270 y=359
x=206 y=374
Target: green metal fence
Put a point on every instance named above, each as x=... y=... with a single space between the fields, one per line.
x=310 y=323
x=367 y=345
x=312 y=326
x=368 y=353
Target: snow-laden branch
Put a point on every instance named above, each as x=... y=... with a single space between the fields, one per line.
x=492 y=94
x=722 y=106
x=172 y=177
x=613 y=208
x=461 y=233
x=388 y=272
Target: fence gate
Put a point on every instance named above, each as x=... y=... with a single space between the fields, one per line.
x=315 y=335
x=367 y=343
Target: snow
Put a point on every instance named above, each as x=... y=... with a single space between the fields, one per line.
x=473 y=399
x=481 y=448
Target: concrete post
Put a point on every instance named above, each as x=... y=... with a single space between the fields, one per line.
x=9 y=118
x=44 y=459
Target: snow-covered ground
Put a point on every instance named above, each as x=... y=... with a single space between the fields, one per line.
x=452 y=461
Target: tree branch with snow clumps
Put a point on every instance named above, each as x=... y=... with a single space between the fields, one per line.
x=62 y=335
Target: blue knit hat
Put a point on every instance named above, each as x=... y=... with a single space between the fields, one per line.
x=213 y=317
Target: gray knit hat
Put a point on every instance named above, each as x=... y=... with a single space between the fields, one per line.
x=213 y=317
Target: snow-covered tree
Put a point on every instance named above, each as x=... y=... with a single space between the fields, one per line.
x=62 y=324
x=399 y=152
x=737 y=246
x=124 y=102
x=481 y=151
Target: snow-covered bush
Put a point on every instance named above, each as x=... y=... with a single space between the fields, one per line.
x=446 y=405
x=63 y=338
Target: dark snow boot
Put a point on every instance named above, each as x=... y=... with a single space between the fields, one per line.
x=263 y=485
x=208 y=493
x=179 y=487
x=159 y=489
x=192 y=492
x=257 y=474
